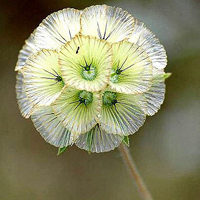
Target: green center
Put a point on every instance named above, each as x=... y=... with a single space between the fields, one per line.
x=109 y=98
x=89 y=73
x=59 y=79
x=115 y=74
x=85 y=97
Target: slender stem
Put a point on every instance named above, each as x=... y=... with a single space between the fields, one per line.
x=128 y=160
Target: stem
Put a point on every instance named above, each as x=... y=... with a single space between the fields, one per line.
x=128 y=160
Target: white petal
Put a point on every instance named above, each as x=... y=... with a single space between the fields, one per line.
x=156 y=94
x=123 y=118
x=98 y=141
x=43 y=81
x=27 y=50
x=50 y=128
x=76 y=116
x=148 y=41
x=135 y=69
x=58 y=28
x=83 y=50
x=106 y=22
x=25 y=105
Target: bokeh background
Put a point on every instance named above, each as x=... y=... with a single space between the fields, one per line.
x=166 y=149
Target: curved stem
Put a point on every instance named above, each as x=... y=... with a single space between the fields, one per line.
x=141 y=187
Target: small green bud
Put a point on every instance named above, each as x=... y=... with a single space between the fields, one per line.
x=167 y=75
x=126 y=141
x=61 y=150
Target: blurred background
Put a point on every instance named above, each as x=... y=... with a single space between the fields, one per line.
x=166 y=149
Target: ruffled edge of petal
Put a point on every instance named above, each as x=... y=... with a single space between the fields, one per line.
x=25 y=105
x=50 y=128
x=27 y=50
x=144 y=38
x=98 y=141
x=156 y=94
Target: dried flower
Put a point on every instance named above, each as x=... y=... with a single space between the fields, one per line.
x=90 y=77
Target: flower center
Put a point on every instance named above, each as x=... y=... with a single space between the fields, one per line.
x=85 y=97
x=109 y=98
x=89 y=72
x=115 y=73
x=58 y=78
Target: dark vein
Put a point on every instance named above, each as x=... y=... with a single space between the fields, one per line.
x=54 y=83
x=49 y=72
x=104 y=35
x=123 y=62
x=77 y=106
x=98 y=31
x=110 y=34
x=127 y=67
x=70 y=35
x=55 y=71
x=48 y=78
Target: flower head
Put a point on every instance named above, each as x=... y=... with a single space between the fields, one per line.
x=90 y=77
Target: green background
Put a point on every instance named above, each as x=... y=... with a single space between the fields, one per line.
x=166 y=149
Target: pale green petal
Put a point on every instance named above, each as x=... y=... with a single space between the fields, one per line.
x=28 y=49
x=124 y=117
x=50 y=128
x=98 y=141
x=58 y=28
x=77 y=117
x=43 y=81
x=106 y=22
x=148 y=41
x=132 y=70
x=156 y=94
x=83 y=51
x=25 y=105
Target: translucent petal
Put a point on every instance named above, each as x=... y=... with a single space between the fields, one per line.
x=134 y=69
x=50 y=128
x=123 y=118
x=148 y=41
x=77 y=117
x=43 y=81
x=25 y=105
x=98 y=141
x=156 y=94
x=58 y=28
x=84 y=51
x=106 y=22
x=28 y=49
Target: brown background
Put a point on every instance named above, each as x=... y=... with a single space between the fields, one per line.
x=166 y=149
